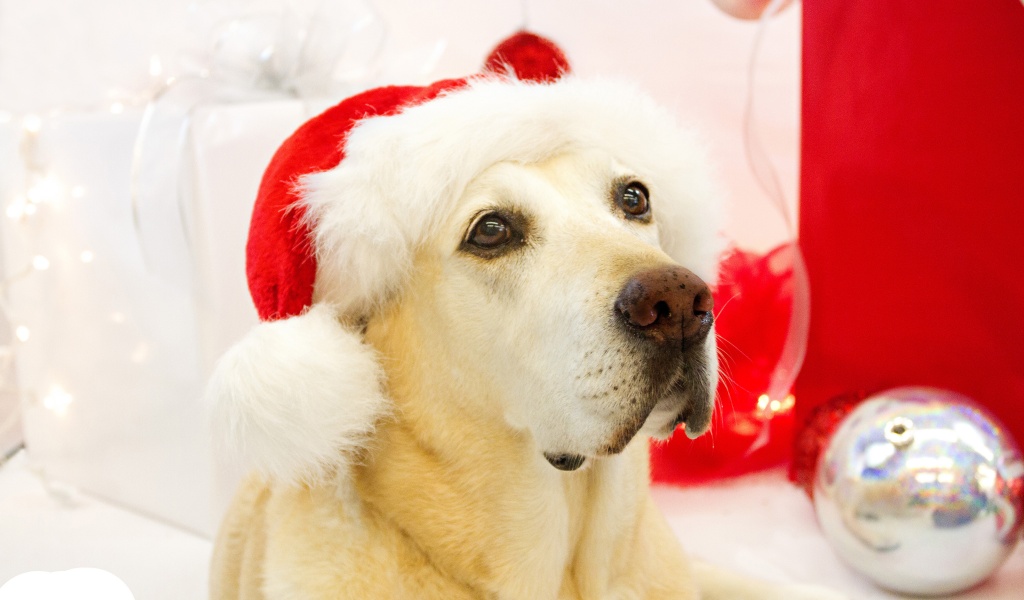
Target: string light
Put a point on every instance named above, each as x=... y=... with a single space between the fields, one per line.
x=32 y=123
x=16 y=209
x=155 y=66
x=57 y=401
x=768 y=408
x=141 y=353
x=41 y=191
x=117 y=108
x=45 y=189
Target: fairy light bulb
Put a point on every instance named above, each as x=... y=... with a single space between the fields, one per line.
x=57 y=400
x=32 y=123
x=16 y=209
x=47 y=189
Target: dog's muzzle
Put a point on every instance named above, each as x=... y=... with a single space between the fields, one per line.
x=670 y=309
x=667 y=305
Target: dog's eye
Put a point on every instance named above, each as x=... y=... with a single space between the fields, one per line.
x=634 y=199
x=490 y=231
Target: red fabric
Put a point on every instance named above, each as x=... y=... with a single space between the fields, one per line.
x=752 y=306
x=912 y=184
x=531 y=57
x=280 y=263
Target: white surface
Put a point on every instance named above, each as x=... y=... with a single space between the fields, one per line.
x=61 y=530
x=759 y=525
x=85 y=583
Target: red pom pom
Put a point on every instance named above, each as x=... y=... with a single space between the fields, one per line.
x=531 y=58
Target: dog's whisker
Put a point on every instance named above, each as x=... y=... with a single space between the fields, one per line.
x=720 y=338
x=721 y=310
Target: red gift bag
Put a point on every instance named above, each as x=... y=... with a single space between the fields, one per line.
x=912 y=199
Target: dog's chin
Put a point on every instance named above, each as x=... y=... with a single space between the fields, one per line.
x=688 y=404
x=685 y=396
x=693 y=414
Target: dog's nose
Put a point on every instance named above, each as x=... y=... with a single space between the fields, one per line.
x=668 y=305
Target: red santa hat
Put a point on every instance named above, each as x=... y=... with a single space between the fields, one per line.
x=350 y=195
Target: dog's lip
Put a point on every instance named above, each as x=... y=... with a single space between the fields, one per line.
x=691 y=406
x=695 y=417
x=693 y=426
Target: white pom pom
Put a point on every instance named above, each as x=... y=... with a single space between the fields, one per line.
x=297 y=398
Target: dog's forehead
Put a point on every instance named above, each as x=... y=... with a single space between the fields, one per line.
x=570 y=183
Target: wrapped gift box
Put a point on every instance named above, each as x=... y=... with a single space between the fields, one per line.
x=118 y=343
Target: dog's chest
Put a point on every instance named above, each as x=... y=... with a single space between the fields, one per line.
x=567 y=538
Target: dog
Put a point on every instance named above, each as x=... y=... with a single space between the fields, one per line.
x=518 y=273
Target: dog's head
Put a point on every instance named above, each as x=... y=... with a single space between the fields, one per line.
x=548 y=280
x=556 y=237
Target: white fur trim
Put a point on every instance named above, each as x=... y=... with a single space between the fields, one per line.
x=297 y=398
x=403 y=174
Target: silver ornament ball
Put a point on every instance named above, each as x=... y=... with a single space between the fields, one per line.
x=921 y=490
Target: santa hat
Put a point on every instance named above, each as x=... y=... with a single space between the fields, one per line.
x=350 y=195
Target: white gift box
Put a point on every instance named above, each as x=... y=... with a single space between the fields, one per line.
x=118 y=345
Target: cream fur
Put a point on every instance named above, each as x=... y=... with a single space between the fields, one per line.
x=297 y=398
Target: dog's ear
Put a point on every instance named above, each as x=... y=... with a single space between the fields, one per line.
x=298 y=398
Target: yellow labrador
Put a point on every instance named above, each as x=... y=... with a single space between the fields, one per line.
x=538 y=337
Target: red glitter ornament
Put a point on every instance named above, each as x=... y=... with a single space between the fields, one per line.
x=814 y=433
